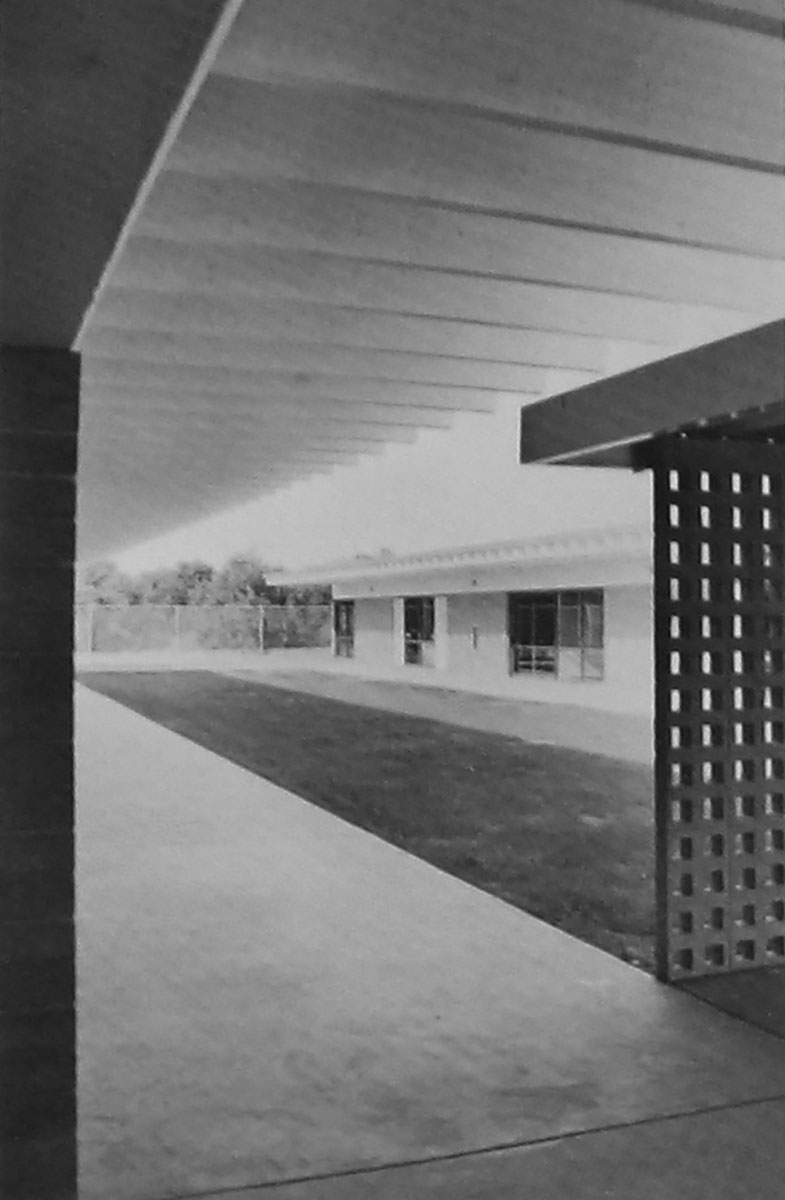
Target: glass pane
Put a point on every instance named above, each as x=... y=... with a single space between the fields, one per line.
x=593 y=625
x=412 y=618
x=569 y=625
x=411 y=615
x=544 y=624
x=412 y=652
x=524 y=625
x=427 y=619
x=418 y=620
x=344 y=613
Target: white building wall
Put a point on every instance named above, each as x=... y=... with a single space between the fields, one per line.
x=396 y=648
x=441 y=633
x=629 y=646
x=373 y=632
x=477 y=631
x=479 y=652
x=474 y=649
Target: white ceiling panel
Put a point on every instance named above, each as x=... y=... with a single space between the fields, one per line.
x=378 y=213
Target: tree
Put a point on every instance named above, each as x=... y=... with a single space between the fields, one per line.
x=104 y=583
x=186 y=583
x=241 y=581
x=192 y=583
x=315 y=593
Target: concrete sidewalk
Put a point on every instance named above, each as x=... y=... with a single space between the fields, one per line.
x=625 y=736
x=268 y=994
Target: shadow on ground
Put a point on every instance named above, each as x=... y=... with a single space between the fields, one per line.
x=563 y=834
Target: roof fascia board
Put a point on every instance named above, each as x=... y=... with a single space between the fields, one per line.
x=606 y=419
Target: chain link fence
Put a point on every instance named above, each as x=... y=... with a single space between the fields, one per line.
x=114 y=628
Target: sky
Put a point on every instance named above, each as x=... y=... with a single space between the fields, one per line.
x=463 y=486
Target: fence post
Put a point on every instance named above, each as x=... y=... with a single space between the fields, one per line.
x=176 y=608
x=261 y=627
x=91 y=627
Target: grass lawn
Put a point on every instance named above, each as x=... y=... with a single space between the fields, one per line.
x=564 y=835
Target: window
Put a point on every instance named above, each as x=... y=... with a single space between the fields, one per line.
x=343 y=624
x=418 y=630
x=557 y=633
x=533 y=624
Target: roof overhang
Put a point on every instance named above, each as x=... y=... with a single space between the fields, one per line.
x=730 y=388
x=283 y=235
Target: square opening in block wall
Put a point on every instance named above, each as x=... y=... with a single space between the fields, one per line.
x=717 y=918
x=685 y=959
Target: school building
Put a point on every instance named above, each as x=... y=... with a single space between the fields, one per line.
x=564 y=618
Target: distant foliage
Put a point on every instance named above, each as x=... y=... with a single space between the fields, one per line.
x=103 y=583
x=242 y=580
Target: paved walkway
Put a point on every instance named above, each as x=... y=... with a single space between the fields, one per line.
x=268 y=994
x=626 y=736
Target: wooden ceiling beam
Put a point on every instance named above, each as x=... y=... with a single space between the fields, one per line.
x=328 y=364
x=371 y=142
x=317 y=326
x=193 y=298
x=297 y=216
x=635 y=72
x=219 y=381
x=220 y=405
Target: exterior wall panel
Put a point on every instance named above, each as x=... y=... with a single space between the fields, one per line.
x=629 y=645
x=373 y=633
x=478 y=636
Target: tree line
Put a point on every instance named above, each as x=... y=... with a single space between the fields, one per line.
x=242 y=580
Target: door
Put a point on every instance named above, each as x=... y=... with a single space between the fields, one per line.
x=343 y=617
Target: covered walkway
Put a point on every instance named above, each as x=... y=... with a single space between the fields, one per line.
x=267 y=994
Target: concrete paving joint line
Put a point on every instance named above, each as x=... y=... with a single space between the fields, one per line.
x=273 y=1185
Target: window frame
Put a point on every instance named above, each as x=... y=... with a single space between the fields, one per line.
x=343 y=638
x=419 y=629
x=577 y=619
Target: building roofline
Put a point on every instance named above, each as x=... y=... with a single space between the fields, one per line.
x=619 y=541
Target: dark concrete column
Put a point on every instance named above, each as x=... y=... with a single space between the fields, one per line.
x=39 y=404
x=719 y=570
